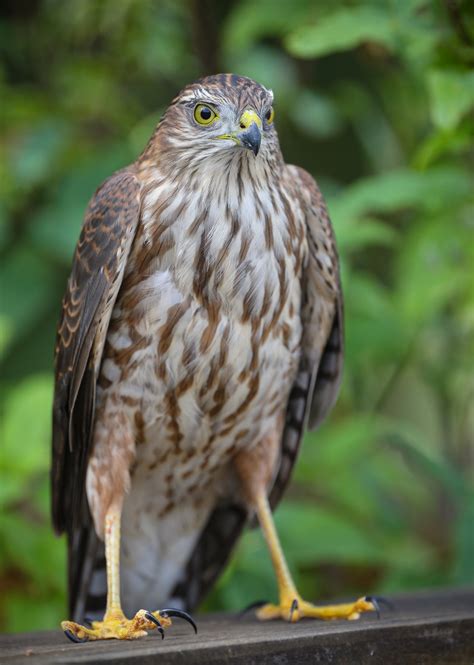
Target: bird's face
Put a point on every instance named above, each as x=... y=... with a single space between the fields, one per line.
x=225 y=122
x=221 y=115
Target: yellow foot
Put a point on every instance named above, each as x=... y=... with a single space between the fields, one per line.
x=294 y=608
x=115 y=625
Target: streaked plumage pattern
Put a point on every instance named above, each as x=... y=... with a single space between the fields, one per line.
x=202 y=320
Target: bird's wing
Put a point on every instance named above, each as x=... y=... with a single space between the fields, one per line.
x=311 y=397
x=99 y=262
x=320 y=371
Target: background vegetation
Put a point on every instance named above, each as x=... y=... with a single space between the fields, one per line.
x=375 y=99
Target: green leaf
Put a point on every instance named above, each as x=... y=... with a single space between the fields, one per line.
x=252 y=19
x=433 y=266
x=342 y=443
x=316 y=114
x=374 y=330
x=399 y=189
x=26 y=427
x=35 y=153
x=312 y=533
x=356 y=235
x=341 y=30
x=30 y=282
x=421 y=451
x=452 y=95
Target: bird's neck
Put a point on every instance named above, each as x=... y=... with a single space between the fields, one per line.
x=217 y=172
x=220 y=195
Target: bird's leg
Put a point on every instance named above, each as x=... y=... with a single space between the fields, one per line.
x=115 y=624
x=256 y=468
x=112 y=558
x=291 y=606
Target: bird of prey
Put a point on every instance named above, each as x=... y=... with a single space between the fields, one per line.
x=201 y=330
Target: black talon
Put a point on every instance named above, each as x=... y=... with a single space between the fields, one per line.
x=386 y=602
x=153 y=619
x=293 y=608
x=180 y=614
x=253 y=606
x=74 y=638
x=88 y=621
x=377 y=601
x=375 y=604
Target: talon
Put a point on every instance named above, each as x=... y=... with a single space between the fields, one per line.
x=150 y=617
x=70 y=635
x=88 y=621
x=381 y=601
x=180 y=614
x=253 y=606
x=373 y=601
x=294 y=607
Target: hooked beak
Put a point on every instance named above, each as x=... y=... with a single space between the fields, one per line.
x=251 y=136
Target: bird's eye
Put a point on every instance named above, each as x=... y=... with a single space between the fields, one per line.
x=269 y=115
x=204 y=115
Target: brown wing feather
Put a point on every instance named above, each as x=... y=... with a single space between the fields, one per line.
x=312 y=395
x=98 y=266
x=319 y=376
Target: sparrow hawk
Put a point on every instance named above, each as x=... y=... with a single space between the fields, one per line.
x=201 y=329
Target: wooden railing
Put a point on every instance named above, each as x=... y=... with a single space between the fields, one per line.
x=423 y=628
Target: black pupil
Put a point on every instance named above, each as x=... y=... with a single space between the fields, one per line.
x=206 y=113
x=269 y=114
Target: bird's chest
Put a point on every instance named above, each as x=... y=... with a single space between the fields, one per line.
x=241 y=254
x=212 y=300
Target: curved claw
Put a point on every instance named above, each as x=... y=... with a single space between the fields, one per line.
x=382 y=601
x=180 y=614
x=253 y=606
x=293 y=608
x=371 y=599
x=377 y=601
x=74 y=638
x=150 y=617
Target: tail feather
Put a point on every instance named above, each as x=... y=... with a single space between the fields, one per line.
x=86 y=574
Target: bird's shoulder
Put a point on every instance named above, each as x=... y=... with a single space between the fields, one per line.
x=307 y=188
x=319 y=229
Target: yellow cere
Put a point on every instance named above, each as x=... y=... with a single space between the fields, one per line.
x=204 y=114
x=248 y=118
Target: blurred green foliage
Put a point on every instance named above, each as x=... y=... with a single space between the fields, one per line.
x=375 y=99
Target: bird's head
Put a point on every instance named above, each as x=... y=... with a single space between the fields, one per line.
x=220 y=116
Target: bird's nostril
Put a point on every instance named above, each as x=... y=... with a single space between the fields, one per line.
x=242 y=126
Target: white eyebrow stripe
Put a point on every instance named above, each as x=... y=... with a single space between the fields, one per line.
x=202 y=98
x=187 y=98
x=201 y=94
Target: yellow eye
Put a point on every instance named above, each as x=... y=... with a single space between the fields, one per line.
x=269 y=115
x=204 y=115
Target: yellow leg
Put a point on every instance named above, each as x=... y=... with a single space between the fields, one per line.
x=291 y=606
x=112 y=558
x=115 y=624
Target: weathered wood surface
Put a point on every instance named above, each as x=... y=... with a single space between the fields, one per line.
x=423 y=628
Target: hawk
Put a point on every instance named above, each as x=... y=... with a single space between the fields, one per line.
x=201 y=329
